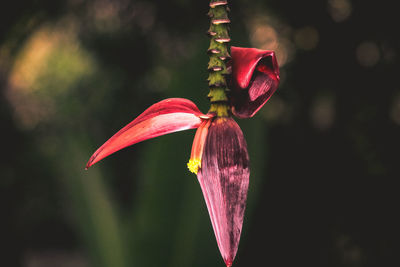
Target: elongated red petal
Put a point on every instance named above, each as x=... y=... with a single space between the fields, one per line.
x=255 y=77
x=224 y=180
x=167 y=116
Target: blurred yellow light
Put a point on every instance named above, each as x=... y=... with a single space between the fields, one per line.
x=263 y=35
x=48 y=65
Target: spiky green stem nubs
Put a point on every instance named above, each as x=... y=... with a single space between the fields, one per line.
x=218 y=52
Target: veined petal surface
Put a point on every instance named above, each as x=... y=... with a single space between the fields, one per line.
x=224 y=180
x=167 y=116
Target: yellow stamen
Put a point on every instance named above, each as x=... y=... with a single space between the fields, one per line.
x=194 y=165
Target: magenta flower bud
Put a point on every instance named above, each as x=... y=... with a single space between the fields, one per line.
x=224 y=180
x=255 y=77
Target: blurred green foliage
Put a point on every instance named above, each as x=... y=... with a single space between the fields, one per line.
x=324 y=150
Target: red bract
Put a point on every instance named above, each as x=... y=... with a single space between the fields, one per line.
x=255 y=77
x=224 y=180
x=167 y=116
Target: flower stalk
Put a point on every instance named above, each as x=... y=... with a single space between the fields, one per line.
x=218 y=53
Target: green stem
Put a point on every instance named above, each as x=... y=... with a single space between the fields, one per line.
x=218 y=52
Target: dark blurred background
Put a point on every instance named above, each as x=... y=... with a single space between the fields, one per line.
x=324 y=150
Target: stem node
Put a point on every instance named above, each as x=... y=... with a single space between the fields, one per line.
x=218 y=53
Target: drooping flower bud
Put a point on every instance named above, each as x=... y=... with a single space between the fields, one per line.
x=224 y=180
x=254 y=78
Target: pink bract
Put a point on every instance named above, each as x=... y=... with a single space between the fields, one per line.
x=224 y=180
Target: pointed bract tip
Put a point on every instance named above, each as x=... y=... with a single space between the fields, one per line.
x=228 y=263
x=91 y=161
x=88 y=165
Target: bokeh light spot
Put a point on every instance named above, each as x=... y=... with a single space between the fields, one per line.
x=323 y=112
x=47 y=67
x=276 y=110
x=306 y=38
x=264 y=35
x=368 y=54
x=395 y=110
x=340 y=10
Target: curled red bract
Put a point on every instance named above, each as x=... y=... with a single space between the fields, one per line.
x=254 y=78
